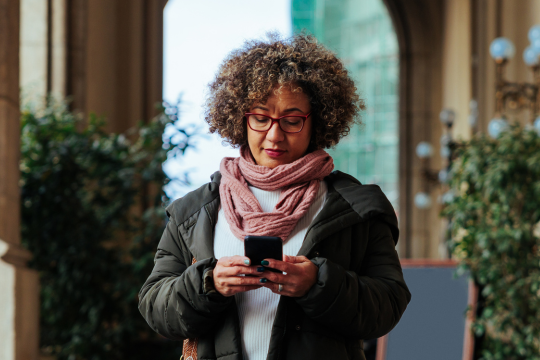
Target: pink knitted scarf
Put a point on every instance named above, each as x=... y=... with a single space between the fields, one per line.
x=299 y=182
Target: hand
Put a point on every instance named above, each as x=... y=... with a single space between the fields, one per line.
x=228 y=279
x=301 y=275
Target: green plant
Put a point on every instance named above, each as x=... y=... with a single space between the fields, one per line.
x=92 y=215
x=495 y=230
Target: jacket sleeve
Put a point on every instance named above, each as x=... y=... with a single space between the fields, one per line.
x=173 y=300
x=364 y=304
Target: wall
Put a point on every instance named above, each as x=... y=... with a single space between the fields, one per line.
x=456 y=64
x=491 y=19
x=33 y=46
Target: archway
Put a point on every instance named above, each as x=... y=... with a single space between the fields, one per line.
x=419 y=29
x=349 y=25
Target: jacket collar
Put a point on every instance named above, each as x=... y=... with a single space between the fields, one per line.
x=368 y=201
x=335 y=216
x=347 y=202
x=195 y=221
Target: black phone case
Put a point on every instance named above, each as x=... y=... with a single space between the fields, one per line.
x=258 y=248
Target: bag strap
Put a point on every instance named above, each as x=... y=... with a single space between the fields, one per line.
x=189 y=351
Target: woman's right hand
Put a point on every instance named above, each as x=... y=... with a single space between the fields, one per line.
x=229 y=276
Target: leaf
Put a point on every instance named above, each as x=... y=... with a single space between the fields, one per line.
x=78 y=191
x=499 y=207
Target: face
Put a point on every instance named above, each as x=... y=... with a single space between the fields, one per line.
x=276 y=147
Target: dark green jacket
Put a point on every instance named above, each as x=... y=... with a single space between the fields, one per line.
x=359 y=294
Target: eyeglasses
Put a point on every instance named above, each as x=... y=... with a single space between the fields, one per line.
x=287 y=123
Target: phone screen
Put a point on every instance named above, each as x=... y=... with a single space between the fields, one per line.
x=258 y=248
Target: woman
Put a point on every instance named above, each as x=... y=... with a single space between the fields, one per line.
x=282 y=102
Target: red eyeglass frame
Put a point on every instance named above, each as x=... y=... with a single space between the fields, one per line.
x=277 y=120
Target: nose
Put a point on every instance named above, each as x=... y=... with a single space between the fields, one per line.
x=275 y=134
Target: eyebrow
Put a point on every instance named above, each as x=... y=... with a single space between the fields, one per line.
x=286 y=110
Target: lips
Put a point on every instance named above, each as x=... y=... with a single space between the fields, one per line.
x=274 y=152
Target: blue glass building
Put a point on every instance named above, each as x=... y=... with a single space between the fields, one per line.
x=361 y=33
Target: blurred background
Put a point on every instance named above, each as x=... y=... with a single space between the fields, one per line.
x=102 y=124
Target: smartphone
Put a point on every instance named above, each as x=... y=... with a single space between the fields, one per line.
x=258 y=248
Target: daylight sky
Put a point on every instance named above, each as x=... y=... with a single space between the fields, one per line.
x=197 y=37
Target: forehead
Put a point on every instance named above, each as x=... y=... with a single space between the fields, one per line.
x=285 y=93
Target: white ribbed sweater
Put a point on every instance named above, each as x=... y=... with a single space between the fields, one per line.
x=257 y=308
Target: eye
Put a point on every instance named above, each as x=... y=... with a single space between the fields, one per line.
x=261 y=119
x=292 y=120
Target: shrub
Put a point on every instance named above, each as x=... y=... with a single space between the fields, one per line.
x=495 y=234
x=92 y=215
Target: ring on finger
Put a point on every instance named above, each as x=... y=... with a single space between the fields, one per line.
x=279 y=288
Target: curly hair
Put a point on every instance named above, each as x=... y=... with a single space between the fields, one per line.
x=249 y=74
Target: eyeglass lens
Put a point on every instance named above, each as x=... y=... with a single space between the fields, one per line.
x=287 y=124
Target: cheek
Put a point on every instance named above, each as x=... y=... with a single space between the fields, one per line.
x=254 y=138
x=301 y=143
x=308 y=135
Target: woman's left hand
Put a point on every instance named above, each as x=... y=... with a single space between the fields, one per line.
x=301 y=275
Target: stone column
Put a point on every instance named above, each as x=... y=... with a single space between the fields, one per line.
x=19 y=287
x=115 y=59
x=419 y=28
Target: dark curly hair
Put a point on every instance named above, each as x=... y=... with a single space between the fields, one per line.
x=249 y=74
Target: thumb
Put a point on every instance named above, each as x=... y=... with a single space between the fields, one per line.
x=295 y=259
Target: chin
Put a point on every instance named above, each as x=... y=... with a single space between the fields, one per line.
x=272 y=163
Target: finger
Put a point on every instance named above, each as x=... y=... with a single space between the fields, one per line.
x=232 y=285
x=238 y=289
x=232 y=290
x=295 y=259
x=237 y=260
x=279 y=265
x=276 y=277
x=241 y=281
x=242 y=270
x=275 y=289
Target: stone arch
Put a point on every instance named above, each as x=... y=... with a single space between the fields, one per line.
x=419 y=28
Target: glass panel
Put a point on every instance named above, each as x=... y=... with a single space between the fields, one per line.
x=362 y=35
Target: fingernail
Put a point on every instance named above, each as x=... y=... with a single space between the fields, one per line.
x=263 y=280
x=246 y=262
x=260 y=269
x=264 y=262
